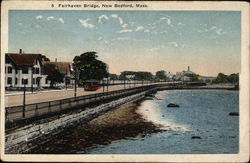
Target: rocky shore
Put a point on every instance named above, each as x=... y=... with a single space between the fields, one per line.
x=120 y=123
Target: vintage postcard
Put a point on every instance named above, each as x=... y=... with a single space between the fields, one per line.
x=124 y=81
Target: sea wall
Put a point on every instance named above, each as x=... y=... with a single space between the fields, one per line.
x=26 y=138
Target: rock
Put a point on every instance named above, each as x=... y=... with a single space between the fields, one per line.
x=196 y=137
x=173 y=105
x=234 y=114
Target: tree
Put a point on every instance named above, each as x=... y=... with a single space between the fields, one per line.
x=196 y=77
x=144 y=76
x=221 y=78
x=44 y=58
x=89 y=67
x=54 y=75
x=113 y=77
x=161 y=75
x=233 y=78
x=125 y=74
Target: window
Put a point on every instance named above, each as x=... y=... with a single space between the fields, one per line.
x=25 y=70
x=16 y=70
x=16 y=81
x=9 y=70
x=33 y=70
x=46 y=81
x=37 y=70
x=9 y=80
x=24 y=81
x=34 y=81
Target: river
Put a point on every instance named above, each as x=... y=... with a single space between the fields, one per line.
x=202 y=113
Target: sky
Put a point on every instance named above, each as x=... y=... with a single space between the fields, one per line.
x=207 y=41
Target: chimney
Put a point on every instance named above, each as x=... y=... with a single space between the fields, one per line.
x=55 y=59
x=20 y=51
x=188 y=68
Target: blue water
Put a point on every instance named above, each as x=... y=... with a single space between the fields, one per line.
x=203 y=113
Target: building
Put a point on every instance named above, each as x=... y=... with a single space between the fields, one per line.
x=63 y=67
x=207 y=79
x=185 y=76
x=23 y=69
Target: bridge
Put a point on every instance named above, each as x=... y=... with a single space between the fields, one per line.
x=31 y=125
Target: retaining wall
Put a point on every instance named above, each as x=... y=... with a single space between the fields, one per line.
x=26 y=138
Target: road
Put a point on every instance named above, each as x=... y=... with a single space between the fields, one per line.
x=43 y=96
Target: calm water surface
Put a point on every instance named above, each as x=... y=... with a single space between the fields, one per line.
x=201 y=113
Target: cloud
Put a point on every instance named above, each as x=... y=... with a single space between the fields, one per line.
x=124 y=25
x=115 y=16
x=146 y=30
x=120 y=20
x=181 y=24
x=61 y=20
x=85 y=23
x=157 y=48
x=121 y=38
x=173 y=44
x=39 y=17
x=99 y=38
x=215 y=29
x=167 y=20
x=125 y=31
x=164 y=46
x=162 y=19
x=101 y=18
x=139 y=28
x=128 y=38
x=51 y=18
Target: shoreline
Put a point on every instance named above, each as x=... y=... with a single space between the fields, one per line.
x=120 y=123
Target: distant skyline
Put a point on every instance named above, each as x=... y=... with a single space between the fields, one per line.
x=207 y=41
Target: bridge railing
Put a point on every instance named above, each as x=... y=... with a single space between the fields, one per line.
x=17 y=113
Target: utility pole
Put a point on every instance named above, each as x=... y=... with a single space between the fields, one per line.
x=103 y=85
x=24 y=96
x=124 y=80
x=32 y=69
x=107 y=84
x=75 y=82
x=66 y=83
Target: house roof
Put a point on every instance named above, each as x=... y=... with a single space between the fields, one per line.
x=63 y=67
x=24 y=59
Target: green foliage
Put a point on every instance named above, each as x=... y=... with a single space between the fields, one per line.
x=222 y=78
x=89 y=67
x=55 y=76
x=125 y=74
x=144 y=75
x=140 y=75
x=161 y=75
x=44 y=58
x=113 y=77
x=196 y=77
x=233 y=78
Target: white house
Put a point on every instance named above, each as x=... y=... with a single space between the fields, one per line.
x=23 y=69
x=185 y=75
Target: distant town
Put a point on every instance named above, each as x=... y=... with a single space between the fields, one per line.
x=36 y=71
